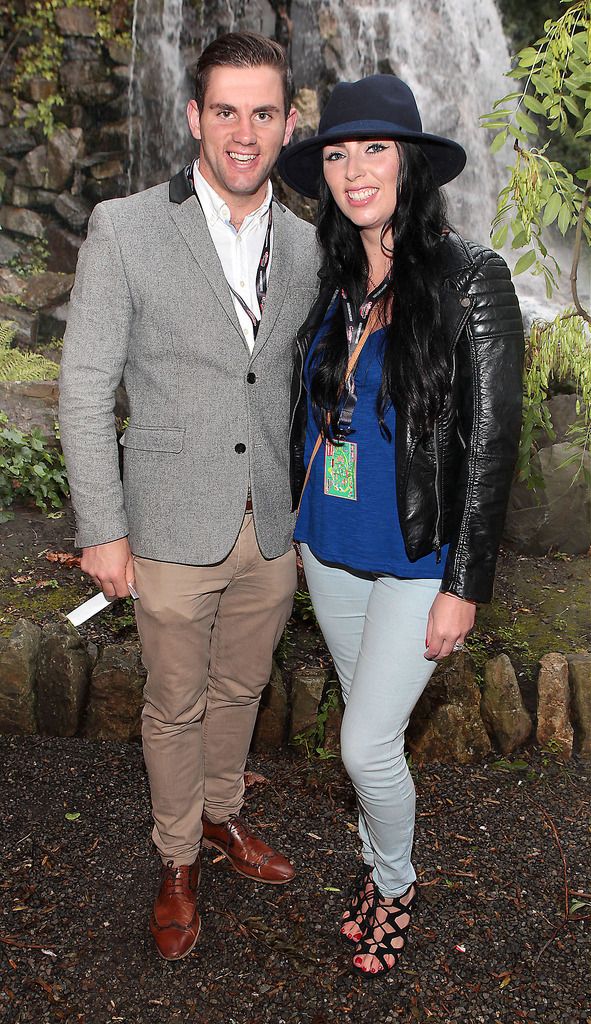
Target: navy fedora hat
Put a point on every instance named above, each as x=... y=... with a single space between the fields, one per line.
x=376 y=107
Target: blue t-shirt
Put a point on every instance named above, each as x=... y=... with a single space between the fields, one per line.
x=364 y=534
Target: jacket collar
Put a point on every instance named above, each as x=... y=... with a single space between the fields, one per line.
x=179 y=187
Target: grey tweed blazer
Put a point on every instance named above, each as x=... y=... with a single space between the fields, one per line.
x=151 y=305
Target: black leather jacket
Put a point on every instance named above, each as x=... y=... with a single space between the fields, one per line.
x=453 y=487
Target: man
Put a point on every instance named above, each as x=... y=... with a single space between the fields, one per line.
x=192 y=291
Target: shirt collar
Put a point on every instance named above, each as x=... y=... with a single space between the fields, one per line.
x=215 y=208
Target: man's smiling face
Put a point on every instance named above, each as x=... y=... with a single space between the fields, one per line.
x=242 y=129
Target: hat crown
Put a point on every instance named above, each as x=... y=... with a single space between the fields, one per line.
x=383 y=98
x=377 y=107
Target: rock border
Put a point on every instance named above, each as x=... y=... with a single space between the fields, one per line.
x=54 y=683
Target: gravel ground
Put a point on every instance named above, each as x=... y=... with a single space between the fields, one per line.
x=500 y=851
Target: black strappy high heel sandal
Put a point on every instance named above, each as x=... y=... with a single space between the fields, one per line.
x=388 y=920
x=359 y=905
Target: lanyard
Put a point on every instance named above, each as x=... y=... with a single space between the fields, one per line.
x=371 y=325
x=355 y=321
x=261 y=277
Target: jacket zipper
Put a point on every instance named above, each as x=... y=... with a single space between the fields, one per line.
x=438 y=497
x=453 y=377
x=437 y=537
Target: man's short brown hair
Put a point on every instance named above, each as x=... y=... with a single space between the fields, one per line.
x=242 y=50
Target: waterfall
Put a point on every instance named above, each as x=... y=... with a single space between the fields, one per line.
x=453 y=55
x=159 y=139
x=132 y=122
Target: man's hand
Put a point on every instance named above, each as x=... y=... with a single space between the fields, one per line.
x=450 y=621
x=111 y=567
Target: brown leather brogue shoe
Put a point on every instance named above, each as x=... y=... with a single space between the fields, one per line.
x=175 y=922
x=248 y=855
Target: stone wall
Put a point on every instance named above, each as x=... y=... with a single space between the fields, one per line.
x=55 y=684
x=49 y=185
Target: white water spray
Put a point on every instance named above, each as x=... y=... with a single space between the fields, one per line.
x=159 y=140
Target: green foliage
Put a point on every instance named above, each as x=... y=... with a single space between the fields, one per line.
x=522 y=23
x=313 y=739
x=33 y=260
x=555 y=94
x=485 y=643
x=41 y=58
x=552 y=101
x=302 y=606
x=29 y=470
x=579 y=904
x=505 y=764
x=7 y=333
x=556 y=351
x=550 y=762
x=22 y=366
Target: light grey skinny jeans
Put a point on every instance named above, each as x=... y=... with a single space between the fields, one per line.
x=375 y=630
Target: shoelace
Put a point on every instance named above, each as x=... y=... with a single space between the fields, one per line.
x=173 y=880
x=242 y=832
x=238 y=826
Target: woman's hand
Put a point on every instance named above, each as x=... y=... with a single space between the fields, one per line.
x=450 y=620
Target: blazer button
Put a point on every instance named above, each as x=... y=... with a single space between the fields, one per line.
x=251 y=377
x=240 y=448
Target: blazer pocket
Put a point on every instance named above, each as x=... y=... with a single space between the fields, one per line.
x=154 y=439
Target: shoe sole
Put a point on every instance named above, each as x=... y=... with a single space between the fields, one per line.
x=209 y=845
x=172 y=959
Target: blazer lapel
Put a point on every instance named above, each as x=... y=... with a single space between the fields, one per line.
x=279 y=276
x=186 y=212
x=188 y=218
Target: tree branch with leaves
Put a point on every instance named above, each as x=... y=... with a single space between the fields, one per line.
x=553 y=98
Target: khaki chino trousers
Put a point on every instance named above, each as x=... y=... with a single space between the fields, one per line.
x=208 y=634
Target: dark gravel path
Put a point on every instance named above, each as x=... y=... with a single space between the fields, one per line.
x=490 y=942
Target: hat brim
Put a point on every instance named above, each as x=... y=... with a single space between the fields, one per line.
x=300 y=164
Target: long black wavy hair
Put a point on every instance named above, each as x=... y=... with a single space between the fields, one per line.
x=416 y=368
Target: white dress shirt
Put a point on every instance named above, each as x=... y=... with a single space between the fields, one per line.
x=239 y=251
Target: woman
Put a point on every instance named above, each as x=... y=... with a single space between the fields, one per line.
x=406 y=413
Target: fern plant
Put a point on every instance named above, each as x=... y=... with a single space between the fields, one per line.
x=22 y=366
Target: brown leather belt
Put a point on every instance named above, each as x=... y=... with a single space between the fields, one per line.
x=248 y=506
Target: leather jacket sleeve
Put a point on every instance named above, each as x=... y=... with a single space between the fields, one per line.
x=488 y=363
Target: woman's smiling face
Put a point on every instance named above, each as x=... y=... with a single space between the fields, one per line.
x=362 y=176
